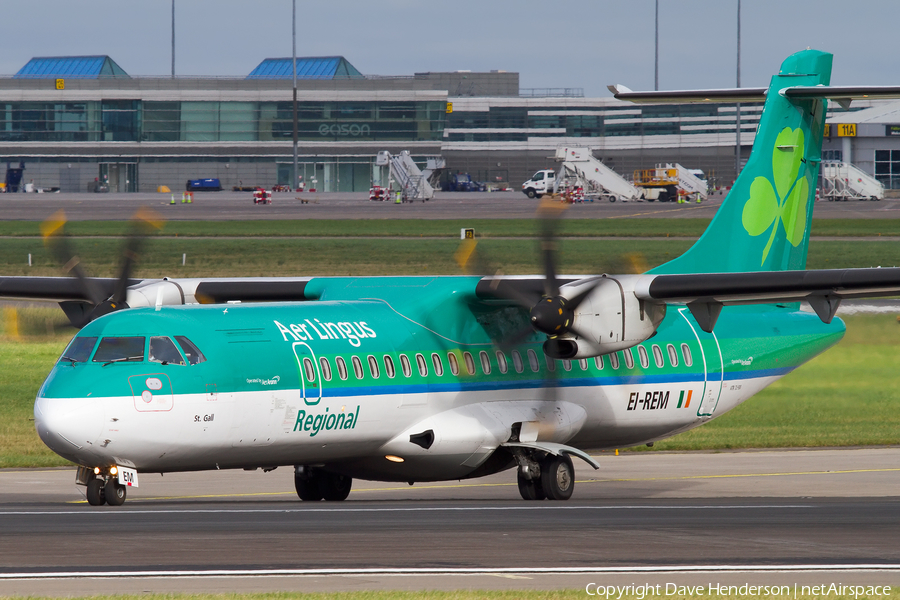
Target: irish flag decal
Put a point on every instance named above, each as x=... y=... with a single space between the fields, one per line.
x=681 y=399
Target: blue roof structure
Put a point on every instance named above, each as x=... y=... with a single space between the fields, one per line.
x=72 y=67
x=308 y=67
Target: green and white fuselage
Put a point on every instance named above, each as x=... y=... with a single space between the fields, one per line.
x=271 y=391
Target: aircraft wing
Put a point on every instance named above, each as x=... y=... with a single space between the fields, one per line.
x=205 y=290
x=57 y=289
x=706 y=293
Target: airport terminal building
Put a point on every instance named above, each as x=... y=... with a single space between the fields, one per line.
x=75 y=120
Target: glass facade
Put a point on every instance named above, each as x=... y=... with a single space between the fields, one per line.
x=528 y=122
x=210 y=121
x=887 y=168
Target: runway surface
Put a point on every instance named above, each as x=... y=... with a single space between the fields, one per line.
x=445 y=205
x=776 y=516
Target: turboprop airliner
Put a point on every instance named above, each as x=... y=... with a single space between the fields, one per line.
x=438 y=378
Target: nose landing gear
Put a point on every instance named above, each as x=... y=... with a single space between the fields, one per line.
x=101 y=488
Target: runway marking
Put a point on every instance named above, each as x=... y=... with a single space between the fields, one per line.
x=477 y=485
x=543 y=507
x=501 y=571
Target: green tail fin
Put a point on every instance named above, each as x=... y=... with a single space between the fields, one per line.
x=764 y=221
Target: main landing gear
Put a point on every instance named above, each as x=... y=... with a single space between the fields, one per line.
x=314 y=484
x=548 y=477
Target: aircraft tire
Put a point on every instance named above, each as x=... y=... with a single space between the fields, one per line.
x=531 y=489
x=95 y=495
x=115 y=493
x=558 y=477
x=334 y=487
x=307 y=488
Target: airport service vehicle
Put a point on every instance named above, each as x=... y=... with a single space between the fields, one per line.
x=843 y=181
x=672 y=182
x=204 y=185
x=437 y=378
x=542 y=182
x=463 y=182
x=414 y=183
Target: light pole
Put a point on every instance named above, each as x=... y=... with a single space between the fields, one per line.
x=656 y=55
x=173 y=39
x=294 y=62
x=737 y=149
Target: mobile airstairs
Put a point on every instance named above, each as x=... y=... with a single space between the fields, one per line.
x=598 y=179
x=414 y=183
x=843 y=181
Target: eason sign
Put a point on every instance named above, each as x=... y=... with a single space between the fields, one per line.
x=345 y=130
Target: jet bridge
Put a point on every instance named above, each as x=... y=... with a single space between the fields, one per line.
x=413 y=182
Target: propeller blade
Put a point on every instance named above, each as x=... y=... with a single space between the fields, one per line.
x=144 y=222
x=548 y=215
x=57 y=241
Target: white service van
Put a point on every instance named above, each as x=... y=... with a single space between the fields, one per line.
x=540 y=183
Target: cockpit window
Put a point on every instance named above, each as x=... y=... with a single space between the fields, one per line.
x=120 y=349
x=163 y=350
x=79 y=349
x=192 y=352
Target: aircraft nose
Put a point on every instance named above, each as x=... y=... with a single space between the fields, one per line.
x=69 y=426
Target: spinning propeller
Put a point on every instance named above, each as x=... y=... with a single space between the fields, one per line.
x=99 y=299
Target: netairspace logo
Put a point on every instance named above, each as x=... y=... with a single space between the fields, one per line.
x=661 y=590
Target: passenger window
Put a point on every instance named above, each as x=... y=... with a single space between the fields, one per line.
x=501 y=362
x=389 y=366
x=658 y=356
x=551 y=363
x=685 y=352
x=79 y=349
x=438 y=365
x=673 y=355
x=517 y=361
x=423 y=366
x=598 y=360
x=533 y=361
x=308 y=369
x=120 y=349
x=357 y=367
x=454 y=363
x=341 y=367
x=629 y=358
x=642 y=355
x=485 y=362
x=567 y=364
x=163 y=350
x=614 y=360
x=405 y=366
x=470 y=363
x=191 y=351
x=583 y=364
x=326 y=368
x=373 y=366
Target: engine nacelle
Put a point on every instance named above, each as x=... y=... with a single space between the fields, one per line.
x=612 y=317
x=150 y=293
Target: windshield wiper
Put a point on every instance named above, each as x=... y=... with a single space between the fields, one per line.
x=123 y=359
x=69 y=358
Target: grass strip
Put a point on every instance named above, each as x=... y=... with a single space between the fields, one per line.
x=845 y=397
x=484 y=228
x=356 y=257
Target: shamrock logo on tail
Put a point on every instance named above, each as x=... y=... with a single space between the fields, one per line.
x=786 y=201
